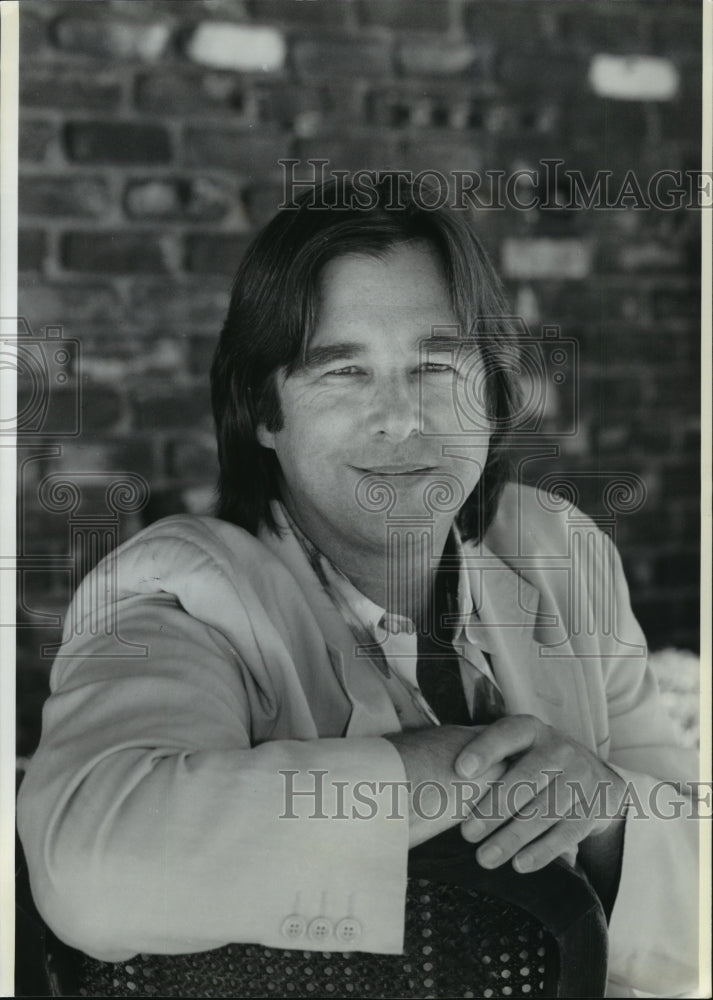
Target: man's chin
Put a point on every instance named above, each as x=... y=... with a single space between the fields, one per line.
x=414 y=495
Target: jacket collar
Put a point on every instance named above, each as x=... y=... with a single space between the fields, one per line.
x=505 y=609
x=358 y=609
x=372 y=711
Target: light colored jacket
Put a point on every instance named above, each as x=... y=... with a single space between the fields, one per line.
x=201 y=664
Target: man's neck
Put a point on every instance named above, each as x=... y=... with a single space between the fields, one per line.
x=399 y=577
x=401 y=580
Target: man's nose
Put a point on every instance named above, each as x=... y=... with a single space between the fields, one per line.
x=395 y=407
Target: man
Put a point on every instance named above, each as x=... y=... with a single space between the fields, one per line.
x=376 y=607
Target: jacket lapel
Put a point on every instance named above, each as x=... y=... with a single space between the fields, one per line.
x=366 y=705
x=508 y=623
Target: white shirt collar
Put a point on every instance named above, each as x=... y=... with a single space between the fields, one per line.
x=360 y=607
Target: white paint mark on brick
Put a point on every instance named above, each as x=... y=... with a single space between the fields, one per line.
x=633 y=78
x=240 y=47
x=524 y=258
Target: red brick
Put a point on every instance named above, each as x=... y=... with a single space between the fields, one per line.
x=678 y=568
x=336 y=58
x=691 y=440
x=681 y=118
x=606 y=439
x=199 y=198
x=677 y=390
x=523 y=119
x=605 y=300
x=607 y=124
x=245 y=152
x=117 y=142
x=428 y=104
x=141 y=351
x=68 y=305
x=58 y=88
x=514 y=27
x=61 y=415
x=602 y=396
x=31 y=249
x=525 y=74
x=352 y=151
x=36 y=137
x=411 y=15
x=60 y=196
x=173 y=93
x=678 y=28
x=164 y=501
x=443 y=154
x=676 y=303
x=261 y=202
x=182 y=408
x=104 y=37
x=135 y=454
x=642 y=256
x=217 y=253
x=119 y=253
x=688 y=517
x=616 y=28
x=317 y=13
x=664 y=616
x=307 y=108
x=101 y=408
x=651 y=437
x=33 y=34
x=622 y=344
x=193 y=460
x=446 y=58
x=201 y=350
x=640 y=528
x=185 y=305
x=681 y=478
x=37 y=529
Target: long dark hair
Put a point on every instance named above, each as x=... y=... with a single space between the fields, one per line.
x=272 y=314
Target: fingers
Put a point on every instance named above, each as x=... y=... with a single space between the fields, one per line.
x=532 y=839
x=547 y=802
x=533 y=835
x=507 y=737
x=559 y=840
x=551 y=759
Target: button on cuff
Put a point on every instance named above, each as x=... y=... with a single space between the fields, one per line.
x=293 y=927
x=348 y=930
x=319 y=929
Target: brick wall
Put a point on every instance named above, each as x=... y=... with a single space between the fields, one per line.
x=150 y=134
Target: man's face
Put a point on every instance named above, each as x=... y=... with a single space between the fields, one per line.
x=375 y=403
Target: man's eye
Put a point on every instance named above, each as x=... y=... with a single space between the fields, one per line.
x=347 y=370
x=435 y=368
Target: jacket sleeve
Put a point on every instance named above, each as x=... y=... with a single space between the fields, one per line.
x=151 y=824
x=654 y=934
x=653 y=930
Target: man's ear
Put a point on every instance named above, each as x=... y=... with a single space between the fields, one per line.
x=265 y=437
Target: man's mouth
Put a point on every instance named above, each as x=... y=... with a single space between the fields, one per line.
x=396 y=470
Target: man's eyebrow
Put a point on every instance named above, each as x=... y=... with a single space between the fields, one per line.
x=316 y=357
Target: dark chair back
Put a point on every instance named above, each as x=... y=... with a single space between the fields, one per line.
x=469 y=933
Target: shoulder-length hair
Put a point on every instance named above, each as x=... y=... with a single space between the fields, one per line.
x=272 y=315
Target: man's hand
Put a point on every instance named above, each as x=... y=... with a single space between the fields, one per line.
x=554 y=795
x=439 y=798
